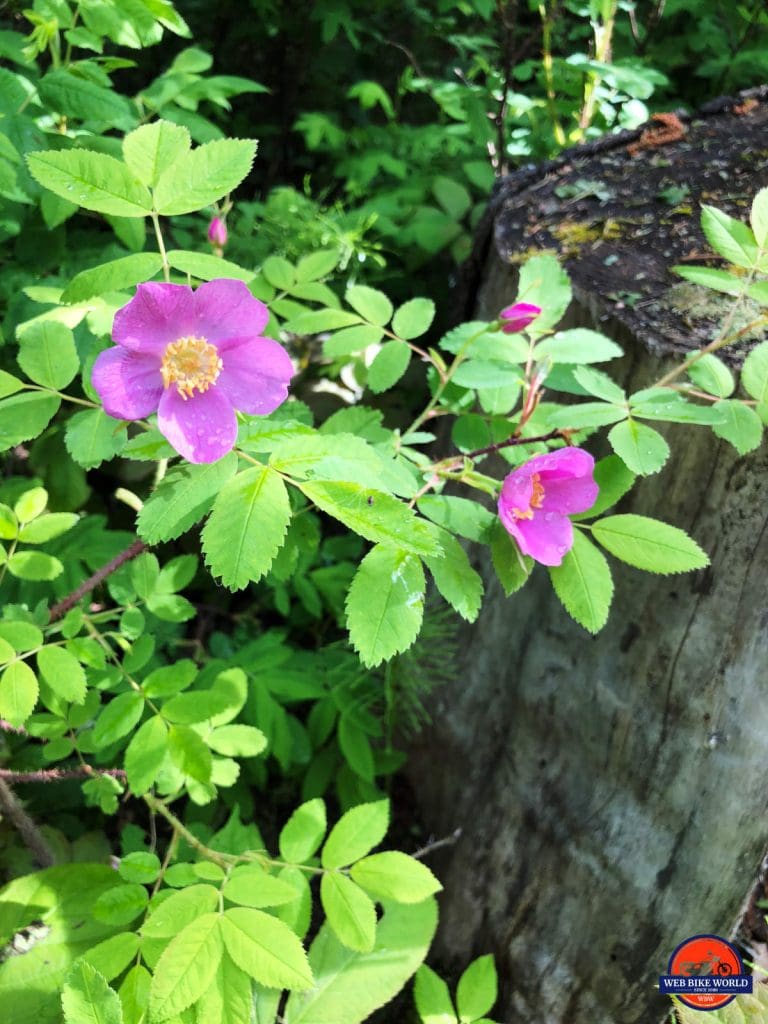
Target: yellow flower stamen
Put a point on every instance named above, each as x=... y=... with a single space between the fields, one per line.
x=191 y=364
x=537 y=499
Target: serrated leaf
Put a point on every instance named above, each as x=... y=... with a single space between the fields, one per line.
x=351 y=339
x=228 y=999
x=93 y=437
x=513 y=568
x=316 y=321
x=246 y=527
x=385 y=604
x=709 y=277
x=251 y=886
x=355 y=747
x=279 y=272
x=459 y=515
x=373 y=514
x=34 y=565
x=599 y=384
x=649 y=544
x=578 y=345
x=152 y=149
x=371 y=304
x=642 y=448
x=588 y=414
x=613 y=480
x=9 y=384
x=18 y=693
x=69 y=94
x=388 y=366
x=544 y=283
x=180 y=909
x=186 y=967
x=712 y=375
x=47 y=354
x=266 y=949
x=141 y=867
x=433 y=1000
x=112 y=956
x=204 y=175
x=316 y=265
x=121 y=904
x=413 y=318
x=355 y=834
x=584 y=585
x=134 y=995
x=182 y=498
x=477 y=989
x=396 y=876
x=190 y=753
x=455 y=578
x=145 y=754
x=741 y=426
x=303 y=832
x=118 y=718
x=759 y=218
x=754 y=378
x=116 y=275
x=46 y=527
x=350 y=913
x=729 y=237
x=205 y=267
x=92 y=180
x=63 y=673
x=86 y=997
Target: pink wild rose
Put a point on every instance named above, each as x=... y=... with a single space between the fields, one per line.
x=194 y=357
x=537 y=498
x=217 y=233
x=516 y=318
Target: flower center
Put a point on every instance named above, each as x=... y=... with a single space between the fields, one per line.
x=537 y=499
x=191 y=364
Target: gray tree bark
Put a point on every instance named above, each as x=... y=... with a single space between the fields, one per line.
x=611 y=791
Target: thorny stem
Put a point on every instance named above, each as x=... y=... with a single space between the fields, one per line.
x=59 y=774
x=31 y=835
x=437 y=844
x=161 y=247
x=720 y=341
x=62 y=607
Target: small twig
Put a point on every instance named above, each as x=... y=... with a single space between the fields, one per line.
x=62 y=607
x=31 y=835
x=436 y=844
x=516 y=441
x=59 y=774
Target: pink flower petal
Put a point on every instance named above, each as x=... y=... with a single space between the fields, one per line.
x=255 y=375
x=519 y=316
x=157 y=315
x=566 y=496
x=565 y=462
x=547 y=537
x=516 y=492
x=202 y=429
x=225 y=309
x=128 y=383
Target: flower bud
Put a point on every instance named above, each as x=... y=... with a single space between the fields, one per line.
x=516 y=318
x=217 y=233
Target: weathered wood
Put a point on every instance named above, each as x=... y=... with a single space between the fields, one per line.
x=611 y=790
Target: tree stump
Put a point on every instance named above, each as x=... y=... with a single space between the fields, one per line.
x=611 y=791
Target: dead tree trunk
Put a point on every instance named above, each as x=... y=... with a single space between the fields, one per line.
x=612 y=791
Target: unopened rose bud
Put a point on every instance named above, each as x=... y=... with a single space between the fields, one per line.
x=217 y=233
x=516 y=318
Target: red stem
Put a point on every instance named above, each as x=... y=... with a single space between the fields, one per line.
x=62 y=607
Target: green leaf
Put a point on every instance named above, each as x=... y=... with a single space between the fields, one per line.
x=587 y=415
x=251 y=886
x=205 y=267
x=202 y=176
x=671 y=407
x=642 y=448
x=316 y=265
x=121 y=904
x=118 y=718
x=351 y=339
x=18 y=693
x=228 y=999
x=86 y=997
x=388 y=366
x=458 y=515
x=134 y=995
x=303 y=832
x=741 y=426
x=544 y=283
x=649 y=544
x=374 y=515
x=182 y=498
x=759 y=218
x=385 y=604
x=355 y=834
x=237 y=741
x=266 y=949
x=154 y=148
x=578 y=345
x=433 y=1000
x=142 y=867
x=31 y=504
x=614 y=480
x=145 y=754
x=355 y=746
x=189 y=753
x=396 y=876
x=76 y=97
x=477 y=989
x=350 y=986
x=316 y=321
x=168 y=680
x=485 y=373
x=186 y=968
x=712 y=375
x=92 y=180
x=47 y=354
x=113 y=955
x=372 y=305
x=47 y=527
x=754 y=378
x=63 y=673
x=729 y=237
x=512 y=567
x=599 y=384
x=9 y=385
x=279 y=272
x=117 y=275
x=413 y=318
x=247 y=527
x=455 y=578
x=93 y=437
x=708 y=277
x=22 y=636
x=180 y=909
x=349 y=912
x=26 y=416
x=34 y=565
x=584 y=585
x=452 y=196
